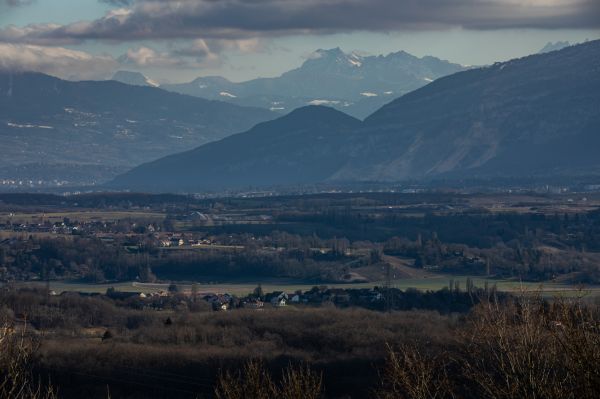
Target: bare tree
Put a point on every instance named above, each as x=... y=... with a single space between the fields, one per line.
x=253 y=381
x=17 y=351
x=531 y=349
x=410 y=374
x=300 y=382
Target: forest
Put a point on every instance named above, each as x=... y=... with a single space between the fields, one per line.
x=521 y=346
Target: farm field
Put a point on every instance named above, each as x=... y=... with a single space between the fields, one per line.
x=84 y=216
x=432 y=283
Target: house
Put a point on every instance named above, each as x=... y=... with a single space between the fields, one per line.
x=177 y=242
x=253 y=303
x=219 y=301
x=278 y=299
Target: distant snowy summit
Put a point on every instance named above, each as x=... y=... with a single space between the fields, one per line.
x=134 y=78
x=353 y=83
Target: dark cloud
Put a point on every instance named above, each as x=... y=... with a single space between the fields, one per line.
x=118 y=2
x=236 y=19
x=16 y=3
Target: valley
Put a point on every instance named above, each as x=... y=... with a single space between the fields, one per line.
x=195 y=203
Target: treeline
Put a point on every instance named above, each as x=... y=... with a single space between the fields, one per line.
x=91 y=259
x=83 y=258
x=534 y=257
x=529 y=246
x=114 y=309
x=481 y=229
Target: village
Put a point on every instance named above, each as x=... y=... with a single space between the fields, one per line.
x=174 y=298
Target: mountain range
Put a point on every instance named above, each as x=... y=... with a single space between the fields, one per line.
x=534 y=116
x=352 y=83
x=49 y=125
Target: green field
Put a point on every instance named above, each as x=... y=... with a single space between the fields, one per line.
x=83 y=216
x=243 y=288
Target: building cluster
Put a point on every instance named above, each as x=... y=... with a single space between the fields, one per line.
x=317 y=296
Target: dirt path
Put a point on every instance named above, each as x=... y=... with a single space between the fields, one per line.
x=402 y=269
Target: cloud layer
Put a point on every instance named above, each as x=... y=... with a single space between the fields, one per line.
x=238 y=19
x=57 y=61
x=16 y=3
x=196 y=33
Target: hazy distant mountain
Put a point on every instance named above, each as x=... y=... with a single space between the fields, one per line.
x=293 y=149
x=134 y=78
x=554 y=47
x=534 y=116
x=355 y=84
x=52 y=122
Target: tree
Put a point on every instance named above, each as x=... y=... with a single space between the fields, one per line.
x=194 y=291
x=410 y=374
x=258 y=292
x=17 y=357
x=254 y=381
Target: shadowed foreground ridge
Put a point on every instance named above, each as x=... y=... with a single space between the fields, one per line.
x=298 y=148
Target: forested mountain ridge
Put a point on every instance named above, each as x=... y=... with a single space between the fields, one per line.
x=56 y=123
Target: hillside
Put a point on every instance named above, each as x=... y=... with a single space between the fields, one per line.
x=535 y=116
x=294 y=149
x=133 y=78
x=110 y=124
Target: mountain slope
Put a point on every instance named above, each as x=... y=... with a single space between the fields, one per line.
x=354 y=84
x=509 y=119
x=133 y=78
x=52 y=121
x=294 y=149
x=535 y=116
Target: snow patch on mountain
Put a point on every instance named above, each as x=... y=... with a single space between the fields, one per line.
x=28 y=126
x=323 y=102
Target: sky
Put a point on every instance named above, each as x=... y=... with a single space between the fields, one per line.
x=179 y=40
